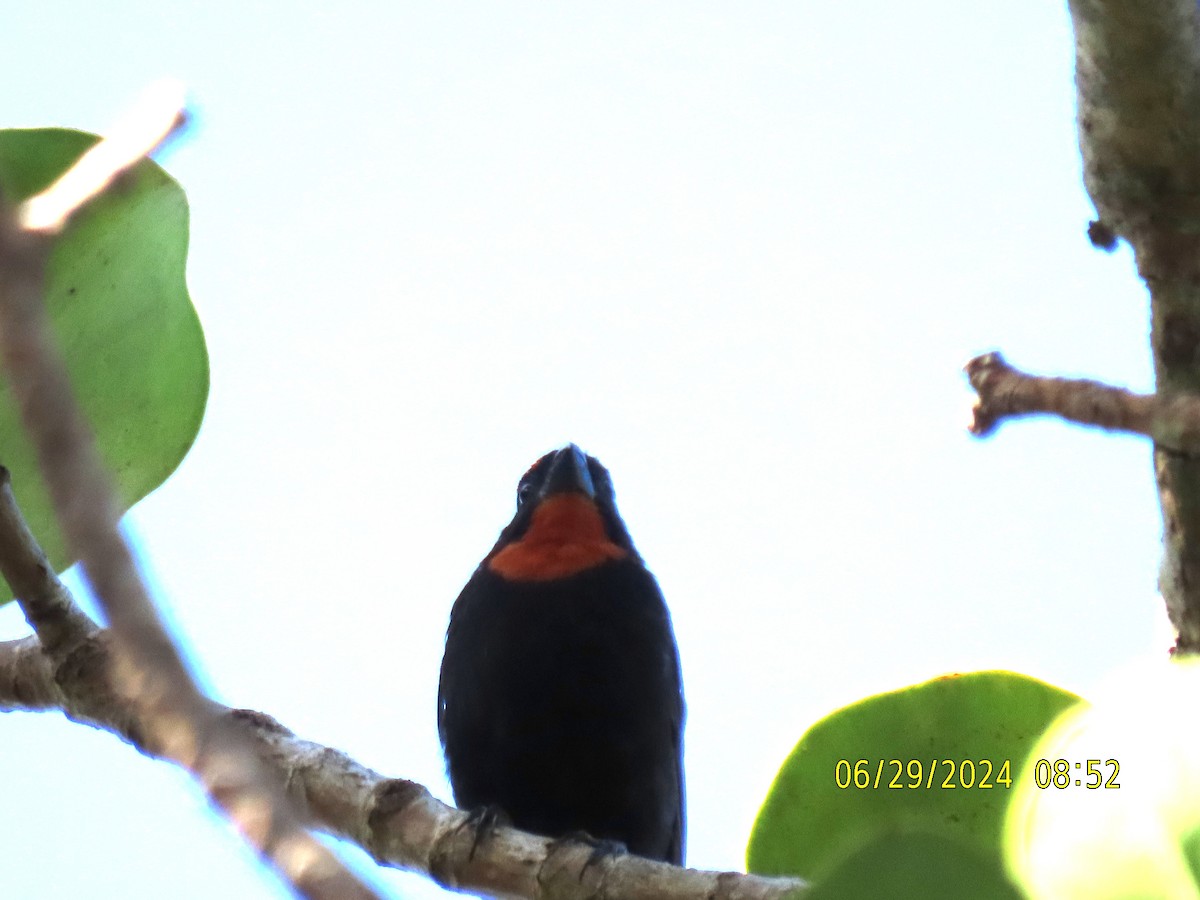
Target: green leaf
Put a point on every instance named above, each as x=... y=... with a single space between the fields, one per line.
x=918 y=866
x=119 y=304
x=1108 y=805
x=983 y=723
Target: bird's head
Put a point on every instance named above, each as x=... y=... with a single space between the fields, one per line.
x=566 y=521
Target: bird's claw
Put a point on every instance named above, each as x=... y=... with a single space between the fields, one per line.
x=602 y=848
x=483 y=821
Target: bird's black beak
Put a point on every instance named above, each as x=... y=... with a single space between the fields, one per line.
x=569 y=474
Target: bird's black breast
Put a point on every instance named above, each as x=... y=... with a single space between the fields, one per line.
x=560 y=702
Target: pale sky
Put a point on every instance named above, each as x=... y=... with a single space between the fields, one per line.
x=739 y=252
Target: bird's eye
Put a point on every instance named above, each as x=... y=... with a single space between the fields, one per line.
x=524 y=492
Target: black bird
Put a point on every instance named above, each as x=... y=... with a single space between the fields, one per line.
x=560 y=700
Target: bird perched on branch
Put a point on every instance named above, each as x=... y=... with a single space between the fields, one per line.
x=560 y=702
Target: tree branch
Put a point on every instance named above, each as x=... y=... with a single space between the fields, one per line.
x=1173 y=423
x=27 y=677
x=1138 y=78
x=171 y=717
x=48 y=607
x=158 y=115
x=398 y=822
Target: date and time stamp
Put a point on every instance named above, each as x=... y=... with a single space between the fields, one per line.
x=972 y=774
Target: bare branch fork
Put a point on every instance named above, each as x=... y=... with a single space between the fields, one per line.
x=130 y=678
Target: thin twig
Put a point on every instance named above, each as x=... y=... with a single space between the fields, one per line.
x=1172 y=422
x=179 y=722
x=158 y=115
x=60 y=624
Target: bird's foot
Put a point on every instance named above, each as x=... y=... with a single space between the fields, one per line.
x=483 y=821
x=602 y=848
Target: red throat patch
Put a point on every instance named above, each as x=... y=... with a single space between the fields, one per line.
x=565 y=536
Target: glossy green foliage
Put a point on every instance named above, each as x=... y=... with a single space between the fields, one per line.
x=918 y=866
x=119 y=304
x=937 y=759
